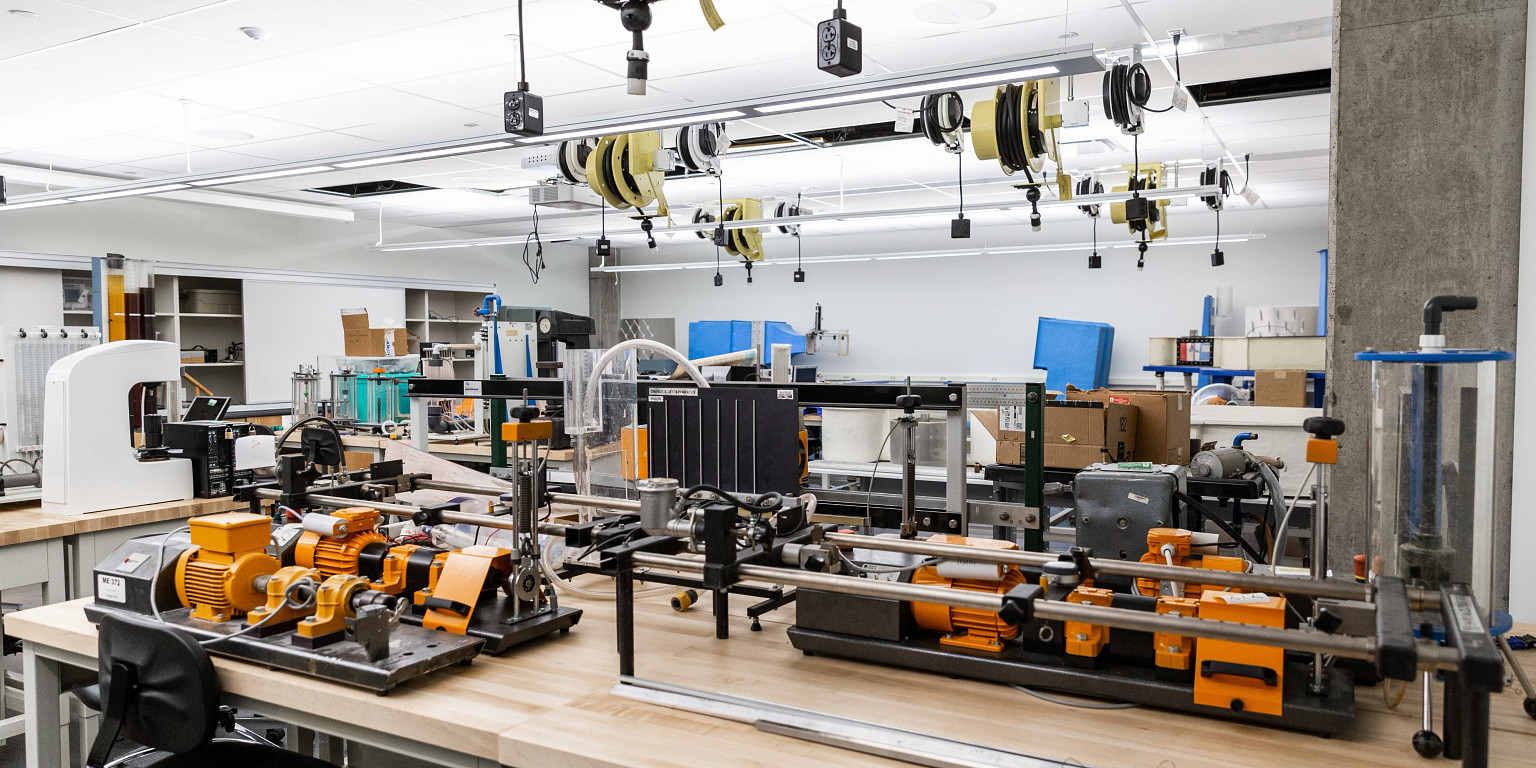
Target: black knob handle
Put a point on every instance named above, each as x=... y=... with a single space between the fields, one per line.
x=1323 y=427
x=524 y=413
x=909 y=403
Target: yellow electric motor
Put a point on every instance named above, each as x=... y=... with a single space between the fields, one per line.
x=337 y=550
x=968 y=627
x=218 y=577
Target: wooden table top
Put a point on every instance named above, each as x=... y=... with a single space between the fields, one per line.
x=26 y=521
x=548 y=704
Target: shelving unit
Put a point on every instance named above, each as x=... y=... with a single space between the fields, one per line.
x=439 y=316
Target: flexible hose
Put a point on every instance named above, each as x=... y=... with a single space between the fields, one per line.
x=590 y=396
x=1281 y=533
x=565 y=585
x=1276 y=496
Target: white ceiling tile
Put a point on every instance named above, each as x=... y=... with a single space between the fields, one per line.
x=450 y=46
x=355 y=108
x=311 y=146
x=22 y=89
x=144 y=10
x=121 y=148
x=571 y=107
x=137 y=57
x=301 y=25
x=56 y=23
x=253 y=86
x=733 y=48
x=43 y=159
x=203 y=161
x=454 y=124
x=547 y=77
x=260 y=128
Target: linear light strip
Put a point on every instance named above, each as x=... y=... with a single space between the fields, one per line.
x=767 y=224
x=668 y=122
x=37 y=204
x=128 y=193
x=263 y=175
x=409 y=156
x=1003 y=251
x=911 y=90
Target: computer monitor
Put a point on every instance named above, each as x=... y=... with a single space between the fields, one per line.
x=207 y=409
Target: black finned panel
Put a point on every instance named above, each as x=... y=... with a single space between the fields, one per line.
x=745 y=440
x=1262 y=88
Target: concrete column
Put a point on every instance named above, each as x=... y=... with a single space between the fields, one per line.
x=1428 y=105
x=603 y=299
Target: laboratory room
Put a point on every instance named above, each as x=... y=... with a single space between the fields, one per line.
x=866 y=383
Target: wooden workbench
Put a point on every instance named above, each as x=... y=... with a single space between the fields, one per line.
x=548 y=705
x=26 y=521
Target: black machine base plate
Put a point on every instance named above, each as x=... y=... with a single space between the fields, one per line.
x=492 y=622
x=1302 y=711
x=413 y=651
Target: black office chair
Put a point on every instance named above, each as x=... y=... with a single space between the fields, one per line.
x=158 y=688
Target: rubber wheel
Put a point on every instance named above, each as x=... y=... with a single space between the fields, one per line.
x=1530 y=707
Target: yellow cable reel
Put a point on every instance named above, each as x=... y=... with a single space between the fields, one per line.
x=1151 y=176
x=746 y=242
x=1002 y=130
x=622 y=170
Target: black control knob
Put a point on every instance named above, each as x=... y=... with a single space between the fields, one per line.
x=909 y=403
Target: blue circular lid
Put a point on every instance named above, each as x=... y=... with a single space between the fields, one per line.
x=1443 y=356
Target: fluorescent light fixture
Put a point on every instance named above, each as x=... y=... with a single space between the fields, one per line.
x=425 y=154
x=910 y=90
x=128 y=193
x=1016 y=250
x=262 y=175
x=38 y=204
x=667 y=122
x=1195 y=241
x=424 y=246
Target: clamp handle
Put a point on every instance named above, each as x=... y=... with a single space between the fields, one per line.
x=909 y=403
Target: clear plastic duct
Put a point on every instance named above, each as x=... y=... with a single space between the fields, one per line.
x=1432 y=467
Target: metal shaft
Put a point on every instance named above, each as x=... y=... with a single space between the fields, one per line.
x=1429 y=702
x=578 y=500
x=1319 y=553
x=407 y=510
x=1261 y=582
x=908 y=480
x=1293 y=639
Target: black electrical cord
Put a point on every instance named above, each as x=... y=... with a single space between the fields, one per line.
x=1225 y=527
x=720 y=229
x=766 y=503
x=960 y=181
x=534 y=260
x=522 y=60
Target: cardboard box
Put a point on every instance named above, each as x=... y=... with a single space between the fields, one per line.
x=1076 y=434
x=199 y=356
x=1162 y=429
x=1283 y=388
x=359 y=340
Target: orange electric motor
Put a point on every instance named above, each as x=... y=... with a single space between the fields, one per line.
x=968 y=627
x=337 y=549
x=220 y=578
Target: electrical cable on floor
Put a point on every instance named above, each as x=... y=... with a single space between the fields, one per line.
x=881 y=569
x=1078 y=704
x=1386 y=698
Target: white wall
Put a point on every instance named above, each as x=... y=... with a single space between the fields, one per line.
x=201 y=234
x=974 y=317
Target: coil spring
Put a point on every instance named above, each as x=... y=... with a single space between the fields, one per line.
x=523 y=510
